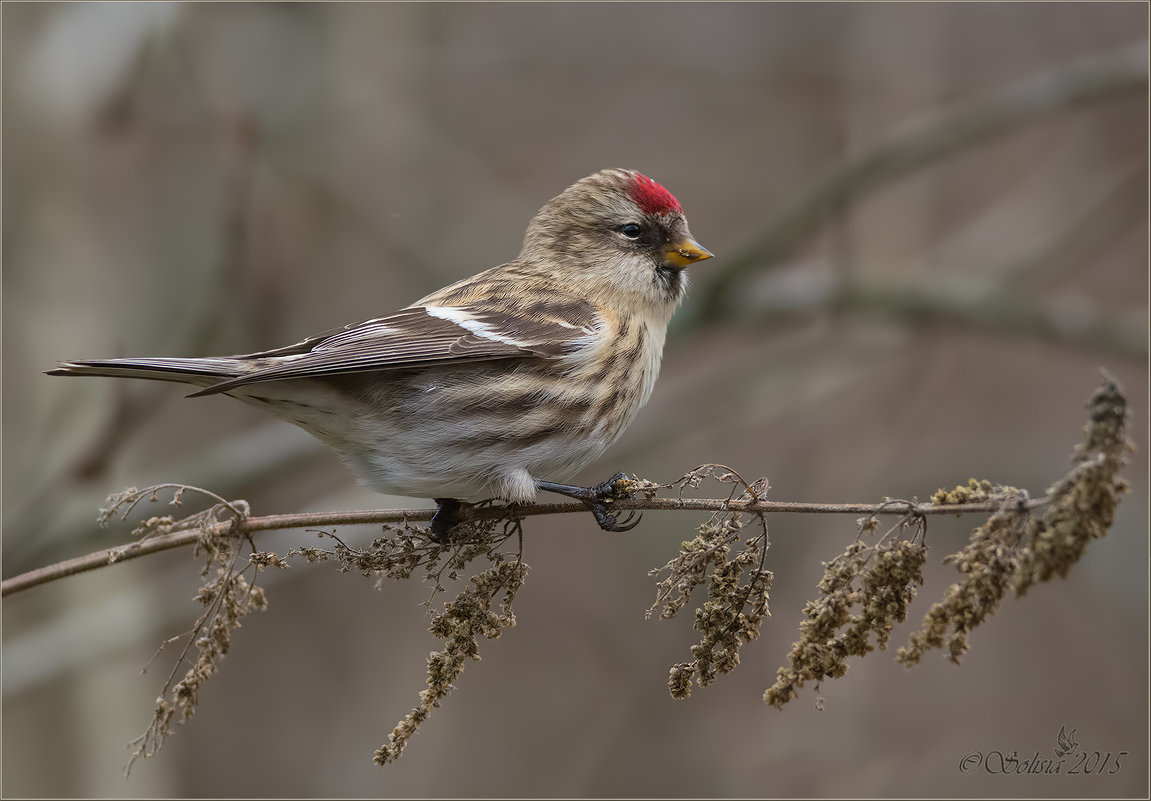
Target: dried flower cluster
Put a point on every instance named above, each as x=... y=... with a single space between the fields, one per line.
x=1014 y=550
x=461 y=623
x=227 y=600
x=878 y=582
x=987 y=562
x=737 y=587
x=407 y=548
x=974 y=491
x=1083 y=503
x=464 y=619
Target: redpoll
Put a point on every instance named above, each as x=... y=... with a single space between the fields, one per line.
x=495 y=386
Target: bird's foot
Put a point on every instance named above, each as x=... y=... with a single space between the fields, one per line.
x=446 y=516
x=597 y=499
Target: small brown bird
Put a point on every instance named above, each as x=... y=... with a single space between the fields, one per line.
x=498 y=385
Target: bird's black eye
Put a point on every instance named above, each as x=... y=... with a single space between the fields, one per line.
x=631 y=231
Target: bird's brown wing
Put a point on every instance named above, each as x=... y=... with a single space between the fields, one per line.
x=429 y=334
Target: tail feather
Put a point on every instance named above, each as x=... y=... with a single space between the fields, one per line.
x=201 y=372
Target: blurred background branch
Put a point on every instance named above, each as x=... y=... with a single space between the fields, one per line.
x=193 y=331
x=917 y=144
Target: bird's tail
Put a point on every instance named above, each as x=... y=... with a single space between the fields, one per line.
x=201 y=372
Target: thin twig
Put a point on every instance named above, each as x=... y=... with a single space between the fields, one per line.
x=251 y=525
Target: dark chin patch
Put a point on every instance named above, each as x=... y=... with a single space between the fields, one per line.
x=670 y=281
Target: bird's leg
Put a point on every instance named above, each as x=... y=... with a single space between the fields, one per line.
x=447 y=515
x=596 y=498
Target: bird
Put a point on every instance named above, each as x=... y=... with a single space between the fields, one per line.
x=497 y=386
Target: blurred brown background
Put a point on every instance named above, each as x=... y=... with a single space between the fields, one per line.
x=930 y=224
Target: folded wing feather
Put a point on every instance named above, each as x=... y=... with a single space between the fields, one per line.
x=425 y=334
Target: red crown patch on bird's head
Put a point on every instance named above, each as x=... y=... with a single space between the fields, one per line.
x=651 y=197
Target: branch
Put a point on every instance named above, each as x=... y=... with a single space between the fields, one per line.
x=939 y=305
x=927 y=140
x=864 y=593
x=251 y=525
x=1010 y=305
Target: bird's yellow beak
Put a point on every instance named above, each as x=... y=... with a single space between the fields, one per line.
x=685 y=252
